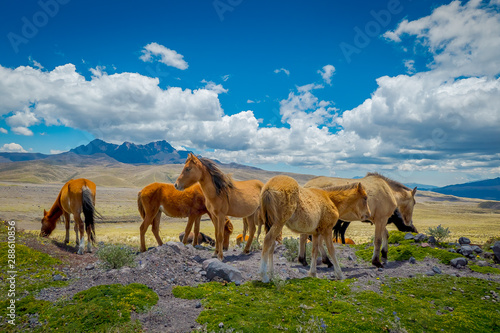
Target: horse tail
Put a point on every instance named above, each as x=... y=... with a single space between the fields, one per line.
x=89 y=212
x=337 y=230
x=140 y=206
x=268 y=206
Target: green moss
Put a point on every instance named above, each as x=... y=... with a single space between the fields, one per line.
x=34 y=269
x=484 y=269
x=419 y=304
x=396 y=237
x=101 y=308
x=403 y=252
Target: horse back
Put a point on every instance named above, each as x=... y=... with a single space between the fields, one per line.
x=71 y=193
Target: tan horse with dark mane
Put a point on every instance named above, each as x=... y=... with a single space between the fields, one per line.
x=77 y=196
x=306 y=211
x=223 y=196
x=156 y=198
x=384 y=196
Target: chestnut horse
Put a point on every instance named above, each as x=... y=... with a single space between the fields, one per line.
x=223 y=196
x=76 y=196
x=156 y=198
x=384 y=196
x=305 y=211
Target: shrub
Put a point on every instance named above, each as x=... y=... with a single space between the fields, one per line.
x=439 y=233
x=116 y=256
x=396 y=236
x=292 y=249
x=490 y=242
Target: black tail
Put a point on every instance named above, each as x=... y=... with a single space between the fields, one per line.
x=339 y=230
x=89 y=213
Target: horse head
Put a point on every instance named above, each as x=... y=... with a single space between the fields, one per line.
x=191 y=173
x=357 y=203
x=47 y=225
x=406 y=205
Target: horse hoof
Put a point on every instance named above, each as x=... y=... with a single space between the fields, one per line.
x=377 y=264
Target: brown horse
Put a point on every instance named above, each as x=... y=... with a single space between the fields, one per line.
x=156 y=198
x=202 y=238
x=223 y=197
x=305 y=211
x=384 y=196
x=76 y=196
x=346 y=210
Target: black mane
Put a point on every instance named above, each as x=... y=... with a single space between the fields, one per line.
x=221 y=182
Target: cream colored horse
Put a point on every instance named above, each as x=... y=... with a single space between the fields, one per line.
x=305 y=211
x=223 y=197
x=384 y=196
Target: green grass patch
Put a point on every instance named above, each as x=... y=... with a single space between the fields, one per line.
x=99 y=309
x=484 y=269
x=403 y=252
x=317 y=305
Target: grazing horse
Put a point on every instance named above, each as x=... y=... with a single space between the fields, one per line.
x=384 y=196
x=306 y=211
x=223 y=196
x=396 y=218
x=156 y=198
x=202 y=238
x=76 y=196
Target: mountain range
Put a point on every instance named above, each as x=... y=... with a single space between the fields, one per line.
x=161 y=153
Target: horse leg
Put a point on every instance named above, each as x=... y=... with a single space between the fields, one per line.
x=385 y=245
x=156 y=228
x=324 y=257
x=66 y=222
x=196 y=231
x=331 y=250
x=251 y=231
x=143 y=228
x=245 y=227
x=302 y=249
x=377 y=243
x=267 y=251
x=220 y=220
x=314 y=255
x=187 y=231
x=77 y=242
x=81 y=228
x=343 y=229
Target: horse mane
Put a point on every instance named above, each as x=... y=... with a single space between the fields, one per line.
x=392 y=183
x=221 y=181
x=332 y=188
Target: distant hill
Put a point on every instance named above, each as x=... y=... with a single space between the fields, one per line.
x=421 y=187
x=18 y=157
x=488 y=189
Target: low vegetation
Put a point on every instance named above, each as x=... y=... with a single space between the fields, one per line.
x=114 y=256
x=439 y=233
x=430 y=304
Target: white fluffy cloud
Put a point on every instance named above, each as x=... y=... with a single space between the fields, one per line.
x=164 y=55
x=284 y=70
x=12 y=148
x=212 y=86
x=327 y=73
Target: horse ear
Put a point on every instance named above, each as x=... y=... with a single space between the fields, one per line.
x=44 y=212
x=360 y=188
x=414 y=191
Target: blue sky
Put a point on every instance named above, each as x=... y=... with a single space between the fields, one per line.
x=406 y=88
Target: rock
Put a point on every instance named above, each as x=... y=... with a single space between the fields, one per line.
x=409 y=236
x=198 y=305
x=176 y=246
x=432 y=240
x=477 y=249
x=430 y=273
x=420 y=237
x=463 y=241
x=302 y=271
x=198 y=259
x=89 y=267
x=57 y=277
x=452 y=250
x=412 y=260
x=380 y=269
x=424 y=245
x=465 y=250
x=221 y=325
x=436 y=270
x=458 y=262
x=482 y=263
x=496 y=250
x=216 y=268
x=125 y=270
